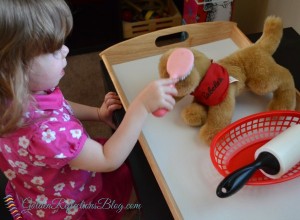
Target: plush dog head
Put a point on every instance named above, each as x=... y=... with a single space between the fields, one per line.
x=188 y=85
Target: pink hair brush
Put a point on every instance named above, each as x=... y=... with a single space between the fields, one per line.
x=179 y=66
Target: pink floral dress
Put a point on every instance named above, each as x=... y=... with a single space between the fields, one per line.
x=41 y=183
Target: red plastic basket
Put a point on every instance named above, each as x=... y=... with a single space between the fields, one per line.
x=235 y=146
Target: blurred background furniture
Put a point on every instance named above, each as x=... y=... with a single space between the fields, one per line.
x=97 y=24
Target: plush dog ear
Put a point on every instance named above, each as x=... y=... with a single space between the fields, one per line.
x=201 y=62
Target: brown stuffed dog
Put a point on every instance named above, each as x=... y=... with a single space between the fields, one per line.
x=252 y=67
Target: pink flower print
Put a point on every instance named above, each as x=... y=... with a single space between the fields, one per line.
x=41 y=199
x=53 y=119
x=59 y=187
x=11 y=163
x=60 y=156
x=27 y=114
x=22 y=167
x=37 y=180
x=66 y=117
x=40 y=157
x=40 y=213
x=48 y=136
x=68 y=107
x=72 y=183
x=40 y=112
x=69 y=201
x=27 y=186
x=10 y=174
x=76 y=133
x=72 y=210
x=93 y=188
x=23 y=152
x=21 y=164
x=81 y=188
x=42 y=189
x=44 y=127
x=23 y=142
x=55 y=211
x=68 y=217
x=57 y=194
x=7 y=148
x=22 y=171
x=39 y=164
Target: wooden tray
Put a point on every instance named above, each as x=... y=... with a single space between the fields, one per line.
x=178 y=159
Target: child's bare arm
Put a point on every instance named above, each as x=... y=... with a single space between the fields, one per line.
x=94 y=157
x=84 y=112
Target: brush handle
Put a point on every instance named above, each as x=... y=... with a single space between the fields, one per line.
x=160 y=112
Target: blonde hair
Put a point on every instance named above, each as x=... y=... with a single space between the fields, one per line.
x=28 y=28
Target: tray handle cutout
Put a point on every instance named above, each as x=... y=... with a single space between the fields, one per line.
x=170 y=39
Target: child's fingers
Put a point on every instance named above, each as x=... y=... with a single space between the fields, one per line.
x=169 y=102
x=171 y=90
x=113 y=104
x=112 y=108
x=168 y=81
x=111 y=95
x=112 y=101
x=166 y=101
x=112 y=98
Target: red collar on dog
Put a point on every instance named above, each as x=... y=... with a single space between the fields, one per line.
x=212 y=89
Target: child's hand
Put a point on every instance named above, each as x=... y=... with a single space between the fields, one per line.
x=159 y=94
x=110 y=104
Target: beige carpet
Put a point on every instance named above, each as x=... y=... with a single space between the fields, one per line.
x=84 y=83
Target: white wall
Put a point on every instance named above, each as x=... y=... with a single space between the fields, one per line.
x=250 y=14
x=288 y=10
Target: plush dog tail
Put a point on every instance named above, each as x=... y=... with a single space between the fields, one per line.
x=272 y=34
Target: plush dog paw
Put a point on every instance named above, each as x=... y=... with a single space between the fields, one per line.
x=289 y=103
x=207 y=134
x=194 y=114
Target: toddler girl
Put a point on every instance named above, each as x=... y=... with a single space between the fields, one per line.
x=54 y=170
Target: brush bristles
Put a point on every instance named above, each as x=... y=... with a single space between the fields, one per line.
x=185 y=75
